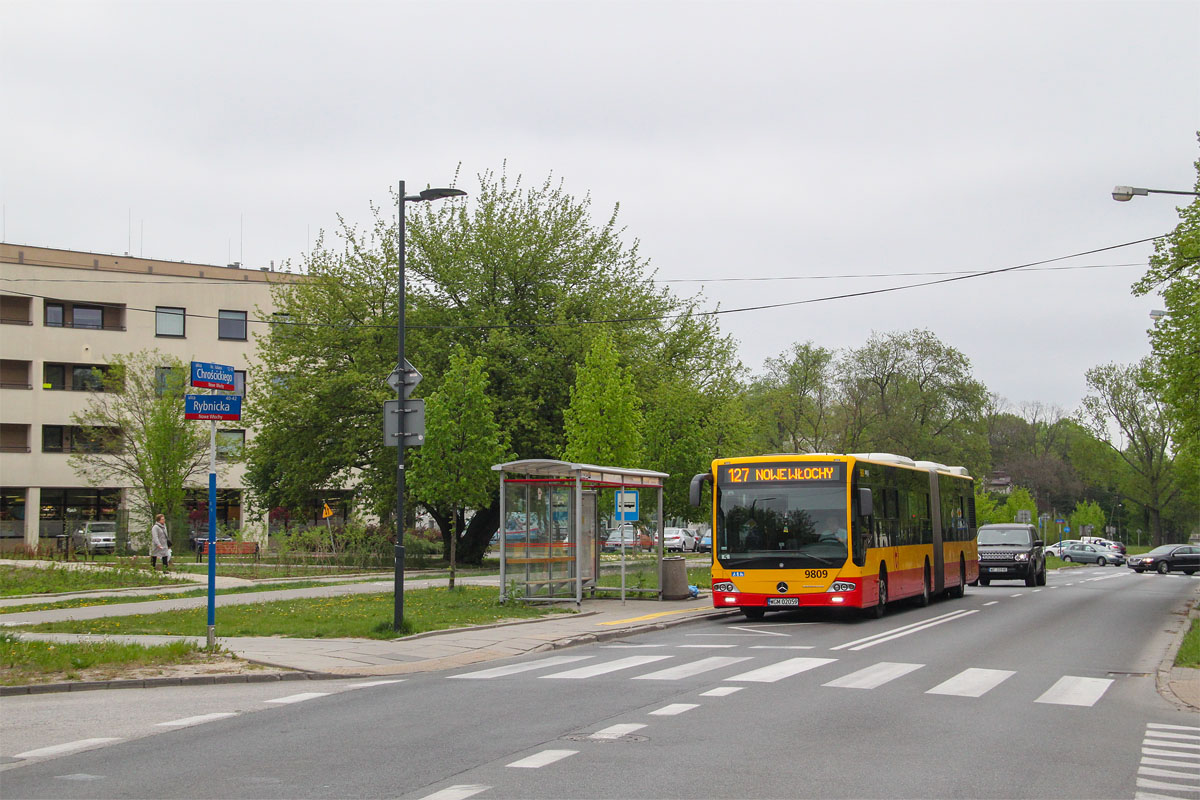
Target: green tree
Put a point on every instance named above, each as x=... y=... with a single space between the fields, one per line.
x=603 y=423
x=1124 y=398
x=987 y=510
x=1175 y=339
x=1088 y=513
x=1019 y=499
x=133 y=433
x=796 y=401
x=452 y=470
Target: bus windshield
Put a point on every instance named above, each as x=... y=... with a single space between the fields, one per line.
x=781 y=526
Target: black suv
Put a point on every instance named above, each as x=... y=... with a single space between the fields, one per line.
x=1011 y=551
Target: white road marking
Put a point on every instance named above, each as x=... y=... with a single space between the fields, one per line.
x=375 y=683
x=542 y=759
x=1166 y=773
x=458 y=792
x=1170 y=762
x=691 y=668
x=705 y=646
x=1149 y=784
x=781 y=647
x=756 y=630
x=629 y=646
x=513 y=669
x=69 y=747
x=617 y=731
x=197 y=720
x=673 y=709
x=605 y=668
x=784 y=669
x=1151 y=751
x=1169 y=735
x=897 y=633
x=298 y=698
x=973 y=682
x=992 y=603
x=873 y=676
x=1162 y=726
x=722 y=691
x=1072 y=690
x=1018 y=594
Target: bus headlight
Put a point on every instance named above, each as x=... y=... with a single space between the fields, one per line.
x=842 y=586
x=724 y=586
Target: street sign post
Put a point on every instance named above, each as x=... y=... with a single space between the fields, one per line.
x=407 y=423
x=212 y=407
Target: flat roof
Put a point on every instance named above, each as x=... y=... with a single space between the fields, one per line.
x=550 y=468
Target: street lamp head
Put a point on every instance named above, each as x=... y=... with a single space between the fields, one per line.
x=438 y=194
x=1124 y=194
x=1158 y=314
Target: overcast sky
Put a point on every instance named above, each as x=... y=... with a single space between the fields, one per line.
x=805 y=140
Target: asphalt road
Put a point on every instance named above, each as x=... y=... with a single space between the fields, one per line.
x=1008 y=692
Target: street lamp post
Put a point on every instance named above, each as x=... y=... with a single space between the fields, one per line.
x=398 y=587
x=1124 y=194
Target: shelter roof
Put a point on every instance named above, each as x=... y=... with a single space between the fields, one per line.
x=549 y=468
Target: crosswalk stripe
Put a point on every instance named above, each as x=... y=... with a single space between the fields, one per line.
x=673 y=709
x=1153 y=796
x=873 y=676
x=1166 y=773
x=1072 y=690
x=458 y=792
x=1153 y=751
x=1169 y=740
x=542 y=759
x=692 y=668
x=784 y=669
x=1163 y=726
x=513 y=669
x=617 y=731
x=1162 y=734
x=1149 y=784
x=605 y=668
x=973 y=682
x=1170 y=762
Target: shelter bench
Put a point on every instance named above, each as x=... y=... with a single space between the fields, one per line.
x=230 y=549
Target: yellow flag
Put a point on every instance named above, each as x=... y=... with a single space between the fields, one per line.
x=328 y=512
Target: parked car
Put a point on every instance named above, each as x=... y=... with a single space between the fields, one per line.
x=1057 y=548
x=1011 y=551
x=1183 y=558
x=1105 y=543
x=704 y=544
x=679 y=539
x=96 y=537
x=628 y=536
x=1092 y=554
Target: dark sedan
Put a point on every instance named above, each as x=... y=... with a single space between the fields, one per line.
x=1179 y=557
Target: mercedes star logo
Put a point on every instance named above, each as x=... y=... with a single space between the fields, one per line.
x=782 y=587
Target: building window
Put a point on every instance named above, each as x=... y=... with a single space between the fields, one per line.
x=169 y=321
x=52 y=438
x=171 y=380
x=231 y=325
x=54 y=376
x=85 y=378
x=90 y=317
x=239 y=384
x=54 y=315
x=230 y=444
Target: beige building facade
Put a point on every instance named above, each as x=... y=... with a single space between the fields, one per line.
x=65 y=312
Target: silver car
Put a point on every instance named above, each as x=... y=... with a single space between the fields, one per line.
x=1092 y=554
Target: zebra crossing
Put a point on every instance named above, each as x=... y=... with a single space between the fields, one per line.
x=975 y=682
x=1170 y=765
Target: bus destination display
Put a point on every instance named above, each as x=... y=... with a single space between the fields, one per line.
x=780 y=472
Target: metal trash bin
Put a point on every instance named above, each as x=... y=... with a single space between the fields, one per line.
x=675 y=585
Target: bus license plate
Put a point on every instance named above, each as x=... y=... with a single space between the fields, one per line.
x=783 y=601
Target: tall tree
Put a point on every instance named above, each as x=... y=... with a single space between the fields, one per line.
x=795 y=400
x=1125 y=397
x=452 y=472
x=133 y=433
x=603 y=423
x=1175 y=339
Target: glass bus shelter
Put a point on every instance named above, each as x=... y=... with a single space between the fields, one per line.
x=550 y=535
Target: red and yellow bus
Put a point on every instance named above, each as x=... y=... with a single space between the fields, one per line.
x=850 y=531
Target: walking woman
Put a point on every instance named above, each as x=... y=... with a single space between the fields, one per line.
x=160 y=544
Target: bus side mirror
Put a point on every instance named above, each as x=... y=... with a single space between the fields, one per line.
x=698 y=482
x=866 y=506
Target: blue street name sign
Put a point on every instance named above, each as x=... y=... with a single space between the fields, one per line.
x=212 y=376
x=212 y=406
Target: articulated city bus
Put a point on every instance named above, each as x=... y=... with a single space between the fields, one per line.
x=829 y=530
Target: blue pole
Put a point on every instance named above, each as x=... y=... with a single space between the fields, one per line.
x=212 y=537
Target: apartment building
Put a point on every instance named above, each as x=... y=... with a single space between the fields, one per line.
x=65 y=312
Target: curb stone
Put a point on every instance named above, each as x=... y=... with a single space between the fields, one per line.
x=151 y=683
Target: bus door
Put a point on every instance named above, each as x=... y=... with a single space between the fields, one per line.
x=938 y=577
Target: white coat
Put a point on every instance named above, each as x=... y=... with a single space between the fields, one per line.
x=159 y=543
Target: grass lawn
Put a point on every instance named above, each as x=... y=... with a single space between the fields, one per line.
x=23 y=662
x=19 y=580
x=360 y=615
x=645 y=576
x=84 y=602
x=1189 y=649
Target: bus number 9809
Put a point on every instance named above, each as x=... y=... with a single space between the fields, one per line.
x=816 y=573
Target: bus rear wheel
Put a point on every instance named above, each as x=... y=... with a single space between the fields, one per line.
x=925 y=596
x=961 y=589
x=751 y=612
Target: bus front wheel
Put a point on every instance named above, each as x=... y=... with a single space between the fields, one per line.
x=877 y=611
